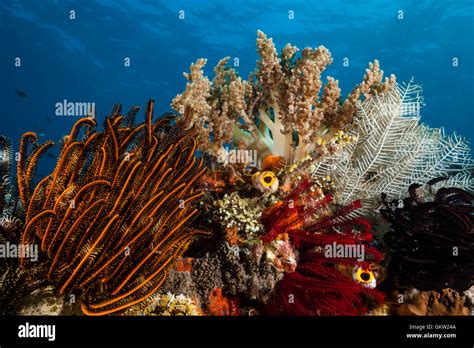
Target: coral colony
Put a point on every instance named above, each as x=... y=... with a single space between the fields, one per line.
x=266 y=196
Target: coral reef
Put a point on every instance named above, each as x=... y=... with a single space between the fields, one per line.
x=237 y=271
x=220 y=305
x=299 y=192
x=115 y=213
x=206 y=276
x=281 y=253
x=247 y=272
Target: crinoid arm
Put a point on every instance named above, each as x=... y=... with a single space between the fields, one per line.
x=115 y=213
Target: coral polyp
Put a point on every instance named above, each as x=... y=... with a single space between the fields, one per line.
x=115 y=213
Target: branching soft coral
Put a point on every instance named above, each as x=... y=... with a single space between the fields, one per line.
x=280 y=109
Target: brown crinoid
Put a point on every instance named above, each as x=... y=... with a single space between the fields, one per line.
x=115 y=213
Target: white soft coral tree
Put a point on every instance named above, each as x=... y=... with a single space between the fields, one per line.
x=280 y=110
x=392 y=150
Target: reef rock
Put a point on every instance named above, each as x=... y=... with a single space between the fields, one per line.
x=41 y=302
x=434 y=303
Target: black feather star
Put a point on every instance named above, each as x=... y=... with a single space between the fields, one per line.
x=432 y=242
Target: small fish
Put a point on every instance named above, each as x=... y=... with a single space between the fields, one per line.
x=22 y=94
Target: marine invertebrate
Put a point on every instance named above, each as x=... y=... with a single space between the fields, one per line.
x=391 y=150
x=364 y=276
x=239 y=271
x=281 y=253
x=15 y=282
x=206 y=275
x=241 y=213
x=247 y=272
x=115 y=213
x=180 y=281
x=9 y=227
x=220 y=305
x=265 y=182
x=9 y=223
x=271 y=162
x=278 y=110
x=431 y=242
x=170 y=304
x=321 y=285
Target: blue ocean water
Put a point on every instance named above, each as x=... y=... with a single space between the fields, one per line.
x=82 y=59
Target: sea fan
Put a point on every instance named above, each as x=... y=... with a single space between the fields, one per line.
x=392 y=150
